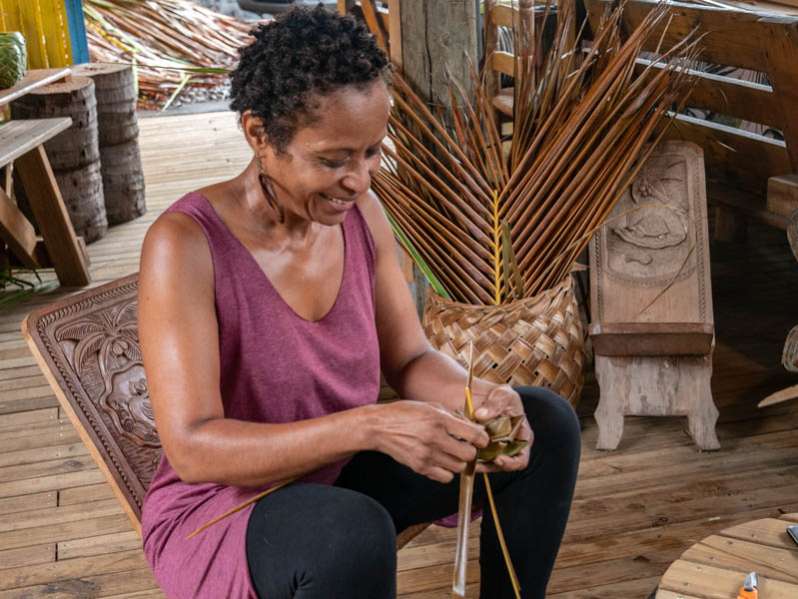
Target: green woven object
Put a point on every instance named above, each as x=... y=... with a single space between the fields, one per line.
x=13 y=58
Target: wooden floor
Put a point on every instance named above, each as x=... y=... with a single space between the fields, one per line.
x=63 y=535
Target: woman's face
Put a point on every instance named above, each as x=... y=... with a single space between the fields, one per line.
x=329 y=163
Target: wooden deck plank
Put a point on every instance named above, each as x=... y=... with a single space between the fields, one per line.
x=99 y=545
x=27 y=556
x=64 y=531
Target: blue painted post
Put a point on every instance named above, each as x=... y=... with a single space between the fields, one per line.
x=77 y=31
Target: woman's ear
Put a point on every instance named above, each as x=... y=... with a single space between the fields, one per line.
x=254 y=131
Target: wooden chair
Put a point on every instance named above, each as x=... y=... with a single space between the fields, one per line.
x=739 y=163
x=522 y=17
x=651 y=300
x=22 y=147
x=88 y=349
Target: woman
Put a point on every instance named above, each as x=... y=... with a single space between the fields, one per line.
x=268 y=305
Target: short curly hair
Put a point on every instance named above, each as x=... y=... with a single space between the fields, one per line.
x=303 y=54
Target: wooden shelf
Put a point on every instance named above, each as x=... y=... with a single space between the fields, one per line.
x=20 y=137
x=34 y=78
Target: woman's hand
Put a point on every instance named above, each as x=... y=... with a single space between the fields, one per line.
x=490 y=401
x=428 y=438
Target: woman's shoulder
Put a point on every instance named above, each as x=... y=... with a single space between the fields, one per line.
x=373 y=213
x=176 y=242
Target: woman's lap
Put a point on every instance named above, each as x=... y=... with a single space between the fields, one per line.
x=373 y=490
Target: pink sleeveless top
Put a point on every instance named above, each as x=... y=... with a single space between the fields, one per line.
x=275 y=367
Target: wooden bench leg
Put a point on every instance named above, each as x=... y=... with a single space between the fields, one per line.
x=614 y=383
x=702 y=414
x=17 y=232
x=52 y=217
x=655 y=386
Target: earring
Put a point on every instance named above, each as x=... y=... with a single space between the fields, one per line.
x=268 y=193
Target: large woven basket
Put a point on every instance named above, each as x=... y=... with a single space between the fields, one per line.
x=535 y=341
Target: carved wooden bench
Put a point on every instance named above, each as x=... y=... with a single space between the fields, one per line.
x=88 y=349
x=651 y=302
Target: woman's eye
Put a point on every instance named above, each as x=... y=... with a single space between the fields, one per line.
x=371 y=152
x=332 y=163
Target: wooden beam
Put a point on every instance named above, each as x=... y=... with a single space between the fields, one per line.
x=782 y=61
x=746 y=32
x=730 y=96
x=395 y=31
x=746 y=158
x=438 y=36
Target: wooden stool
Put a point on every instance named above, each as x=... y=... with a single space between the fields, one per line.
x=715 y=567
x=88 y=349
x=652 y=328
x=21 y=143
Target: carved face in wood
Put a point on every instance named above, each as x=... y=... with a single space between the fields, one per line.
x=652 y=228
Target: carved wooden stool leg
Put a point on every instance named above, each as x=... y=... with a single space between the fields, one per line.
x=614 y=381
x=703 y=414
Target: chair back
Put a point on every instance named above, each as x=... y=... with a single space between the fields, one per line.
x=88 y=349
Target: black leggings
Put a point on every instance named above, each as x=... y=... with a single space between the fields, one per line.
x=309 y=541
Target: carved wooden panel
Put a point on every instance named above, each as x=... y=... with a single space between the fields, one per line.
x=650 y=261
x=88 y=347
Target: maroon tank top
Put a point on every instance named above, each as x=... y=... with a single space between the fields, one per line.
x=275 y=367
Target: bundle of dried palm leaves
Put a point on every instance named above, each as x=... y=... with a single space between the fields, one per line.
x=176 y=45
x=487 y=224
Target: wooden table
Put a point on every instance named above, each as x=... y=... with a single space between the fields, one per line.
x=22 y=145
x=715 y=567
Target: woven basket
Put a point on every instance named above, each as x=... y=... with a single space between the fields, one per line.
x=535 y=341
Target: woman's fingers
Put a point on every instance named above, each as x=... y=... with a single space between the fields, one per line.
x=502 y=400
x=466 y=430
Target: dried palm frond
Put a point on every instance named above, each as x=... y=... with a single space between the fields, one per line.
x=493 y=225
x=174 y=44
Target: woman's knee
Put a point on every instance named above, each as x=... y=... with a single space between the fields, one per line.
x=361 y=543
x=551 y=417
x=322 y=541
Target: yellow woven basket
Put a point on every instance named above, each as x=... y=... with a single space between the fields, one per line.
x=536 y=341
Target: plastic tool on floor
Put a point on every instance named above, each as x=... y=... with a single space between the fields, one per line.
x=749 y=590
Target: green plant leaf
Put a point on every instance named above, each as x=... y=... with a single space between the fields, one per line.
x=417 y=259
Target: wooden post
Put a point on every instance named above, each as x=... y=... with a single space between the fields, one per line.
x=438 y=36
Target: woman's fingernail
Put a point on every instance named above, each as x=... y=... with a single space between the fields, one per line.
x=482 y=413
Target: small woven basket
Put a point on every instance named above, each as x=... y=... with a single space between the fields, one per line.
x=536 y=341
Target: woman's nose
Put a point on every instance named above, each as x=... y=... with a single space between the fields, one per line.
x=358 y=180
